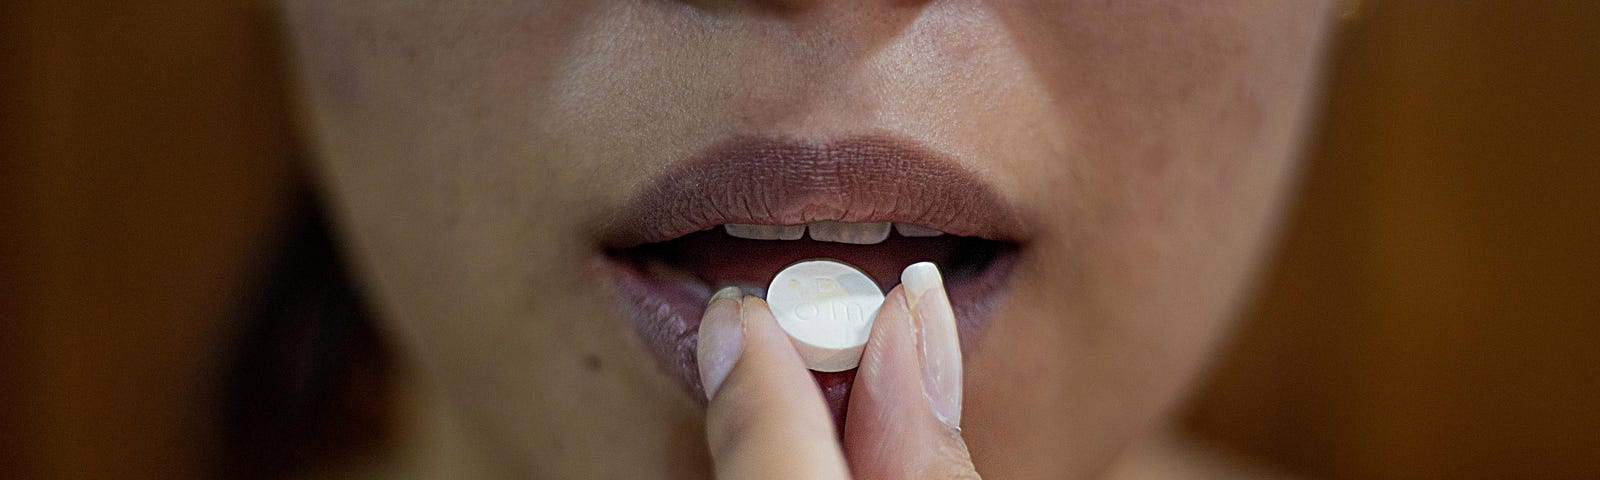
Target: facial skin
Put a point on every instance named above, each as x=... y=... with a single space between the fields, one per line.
x=472 y=149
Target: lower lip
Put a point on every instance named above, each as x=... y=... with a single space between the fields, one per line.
x=667 y=318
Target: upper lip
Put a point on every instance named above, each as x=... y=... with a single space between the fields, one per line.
x=759 y=180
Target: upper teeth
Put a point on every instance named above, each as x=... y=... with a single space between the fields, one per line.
x=914 y=230
x=830 y=231
x=857 y=233
x=766 y=232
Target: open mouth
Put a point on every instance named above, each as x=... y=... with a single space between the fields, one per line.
x=740 y=214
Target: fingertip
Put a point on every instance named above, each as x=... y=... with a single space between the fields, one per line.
x=753 y=307
x=762 y=326
x=768 y=419
x=888 y=349
x=721 y=339
x=894 y=429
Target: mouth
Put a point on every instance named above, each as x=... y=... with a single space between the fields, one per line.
x=743 y=211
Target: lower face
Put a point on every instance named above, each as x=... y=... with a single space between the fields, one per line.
x=539 y=197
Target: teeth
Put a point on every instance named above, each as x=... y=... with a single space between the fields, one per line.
x=913 y=230
x=766 y=232
x=831 y=231
x=857 y=233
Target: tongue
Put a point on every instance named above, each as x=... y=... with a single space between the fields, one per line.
x=720 y=259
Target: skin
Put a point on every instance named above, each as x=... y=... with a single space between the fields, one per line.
x=892 y=430
x=470 y=148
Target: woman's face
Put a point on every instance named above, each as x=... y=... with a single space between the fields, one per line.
x=533 y=192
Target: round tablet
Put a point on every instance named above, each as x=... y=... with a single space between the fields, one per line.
x=827 y=308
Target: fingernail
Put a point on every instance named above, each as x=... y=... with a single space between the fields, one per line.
x=721 y=339
x=725 y=293
x=938 y=345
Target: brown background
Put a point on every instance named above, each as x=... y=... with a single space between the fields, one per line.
x=1432 y=313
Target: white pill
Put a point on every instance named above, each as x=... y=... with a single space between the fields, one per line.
x=827 y=308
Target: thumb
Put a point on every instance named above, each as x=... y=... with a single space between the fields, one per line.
x=766 y=418
x=905 y=406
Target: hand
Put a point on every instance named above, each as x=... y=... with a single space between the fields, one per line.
x=767 y=419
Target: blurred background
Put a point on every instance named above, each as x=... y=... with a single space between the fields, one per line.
x=1433 y=311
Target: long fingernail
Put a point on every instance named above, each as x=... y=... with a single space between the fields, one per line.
x=938 y=343
x=721 y=339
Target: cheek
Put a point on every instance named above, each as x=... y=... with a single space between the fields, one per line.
x=1122 y=301
x=1179 y=147
x=466 y=228
x=1177 y=158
